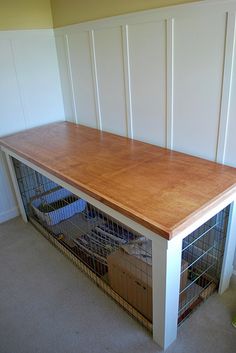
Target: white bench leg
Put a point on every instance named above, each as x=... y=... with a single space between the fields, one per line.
x=230 y=244
x=166 y=264
x=16 y=187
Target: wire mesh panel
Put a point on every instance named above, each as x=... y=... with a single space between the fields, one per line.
x=119 y=258
x=30 y=182
x=203 y=252
x=116 y=257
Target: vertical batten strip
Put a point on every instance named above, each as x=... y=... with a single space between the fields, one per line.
x=226 y=86
x=169 y=82
x=128 y=95
x=95 y=79
x=71 y=78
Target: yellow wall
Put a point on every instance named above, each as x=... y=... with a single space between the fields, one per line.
x=66 y=12
x=25 y=14
x=29 y=14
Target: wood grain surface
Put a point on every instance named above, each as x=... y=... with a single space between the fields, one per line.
x=163 y=190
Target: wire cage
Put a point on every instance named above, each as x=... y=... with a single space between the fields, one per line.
x=203 y=252
x=116 y=257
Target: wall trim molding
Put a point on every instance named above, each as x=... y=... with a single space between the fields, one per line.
x=95 y=79
x=157 y=14
x=26 y=33
x=9 y=214
x=71 y=78
x=127 y=79
x=227 y=79
x=170 y=82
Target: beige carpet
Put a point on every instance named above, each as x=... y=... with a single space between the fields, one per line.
x=47 y=305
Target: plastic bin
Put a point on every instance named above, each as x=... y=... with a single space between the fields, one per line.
x=56 y=205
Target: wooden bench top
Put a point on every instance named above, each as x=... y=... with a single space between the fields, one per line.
x=163 y=190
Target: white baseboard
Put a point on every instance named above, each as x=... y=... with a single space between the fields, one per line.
x=6 y=216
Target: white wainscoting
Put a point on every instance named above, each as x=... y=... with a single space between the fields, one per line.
x=161 y=76
x=30 y=93
x=165 y=76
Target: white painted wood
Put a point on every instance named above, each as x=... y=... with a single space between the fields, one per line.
x=11 y=104
x=128 y=94
x=230 y=246
x=147 y=50
x=198 y=63
x=65 y=78
x=37 y=71
x=196 y=128
x=30 y=92
x=71 y=80
x=82 y=78
x=16 y=187
x=95 y=79
x=8 y=206
x=226 y=87
x=110 y=74
x=169 y=82
x=230 y=155
x=26 y=34
x=166 y=269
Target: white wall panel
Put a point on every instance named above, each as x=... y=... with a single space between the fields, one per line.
x=110 y=75
x=230 y=156
x=198 y=70
x=30 y=93
x=147 y=53
x=10 y=100
x=82 y=78
x=37 y=70
x=62 y=56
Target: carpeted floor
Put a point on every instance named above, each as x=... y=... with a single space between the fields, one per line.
x=47 y=305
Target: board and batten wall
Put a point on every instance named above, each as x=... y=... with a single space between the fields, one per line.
x=165 y=76
x=30 y=93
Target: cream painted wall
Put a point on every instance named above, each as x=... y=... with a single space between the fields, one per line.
x=67 y=12
x=25 y=14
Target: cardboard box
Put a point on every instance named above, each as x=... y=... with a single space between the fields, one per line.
x=131 y=278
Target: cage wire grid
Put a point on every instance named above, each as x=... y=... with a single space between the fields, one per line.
x=203 y=252
x=116 y=258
